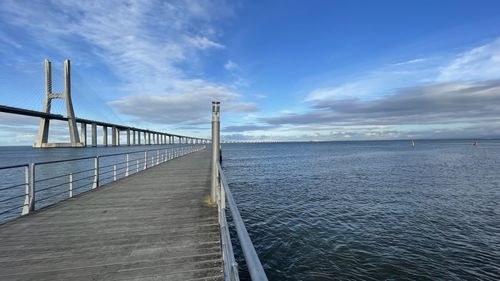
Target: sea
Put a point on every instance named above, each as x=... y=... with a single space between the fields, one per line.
x=357 y=210
x=370 y=210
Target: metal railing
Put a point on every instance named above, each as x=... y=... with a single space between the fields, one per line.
x=251 y=258
x=46 y=183
x=11 y=204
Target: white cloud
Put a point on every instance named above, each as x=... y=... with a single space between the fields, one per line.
x=230 y=65
x=377 y=82
x=142 y=42
x=477 y=64
x=6 y=40
x=202 y=42
x=480 y=63
x=191 y=105
x=451 y=95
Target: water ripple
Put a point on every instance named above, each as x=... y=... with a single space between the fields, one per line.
x=370 y=210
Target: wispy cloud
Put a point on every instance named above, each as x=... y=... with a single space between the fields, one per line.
x=454 y=94
x=6 y=40
x=479 y=63
x=144 y=43
x=380 y=81
x=230 y=65
x=202 y=42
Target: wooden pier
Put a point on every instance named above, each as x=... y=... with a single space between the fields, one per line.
x=154 y=225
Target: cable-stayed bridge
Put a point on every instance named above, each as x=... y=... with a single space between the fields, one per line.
x=134 y=136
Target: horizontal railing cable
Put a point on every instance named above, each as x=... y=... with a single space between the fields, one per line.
x=10 y=198
x=12 y=186
x=12 y=209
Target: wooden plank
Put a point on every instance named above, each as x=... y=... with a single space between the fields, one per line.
x=154 y=225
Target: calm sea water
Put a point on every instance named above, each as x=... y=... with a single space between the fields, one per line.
x=371 y=210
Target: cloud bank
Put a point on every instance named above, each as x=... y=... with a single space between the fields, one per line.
x=436 y=97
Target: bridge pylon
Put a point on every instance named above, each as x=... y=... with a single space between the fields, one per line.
x=43 y=132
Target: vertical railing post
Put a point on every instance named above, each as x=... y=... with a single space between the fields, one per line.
x=126 y=169
x=222 y=192
x=234 y=266
x=70 y=185
x=95 y=184
x=145 y=160
x=32 y=188
x=26 y=205
x=157 y=157
x=137 y=166
x=114 y=172
x=215 y=148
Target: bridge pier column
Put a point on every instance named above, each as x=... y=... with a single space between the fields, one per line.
x=133 y=137
x=84 y=133
x=149 y=138
x=94 y=135
x=128 y=136
x=114 y=135
x=105 y=135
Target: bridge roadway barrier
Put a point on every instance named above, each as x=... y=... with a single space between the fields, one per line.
x=152 y=225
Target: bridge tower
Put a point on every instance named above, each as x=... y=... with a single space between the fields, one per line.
x=43 y=131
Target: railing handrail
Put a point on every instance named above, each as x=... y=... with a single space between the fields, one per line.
x=254 y=265
x=92 y=157
x=13 y=166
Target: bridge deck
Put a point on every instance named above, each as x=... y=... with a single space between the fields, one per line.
x=154 y=225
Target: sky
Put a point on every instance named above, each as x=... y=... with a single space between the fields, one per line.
x=282 y=70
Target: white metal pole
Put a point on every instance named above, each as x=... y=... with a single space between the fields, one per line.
x=215 y=148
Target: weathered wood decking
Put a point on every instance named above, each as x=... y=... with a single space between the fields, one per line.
x=154 y=225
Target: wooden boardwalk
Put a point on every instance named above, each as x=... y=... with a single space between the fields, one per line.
x=154 y=225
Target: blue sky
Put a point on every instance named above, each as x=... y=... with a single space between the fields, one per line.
x=283 y=70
